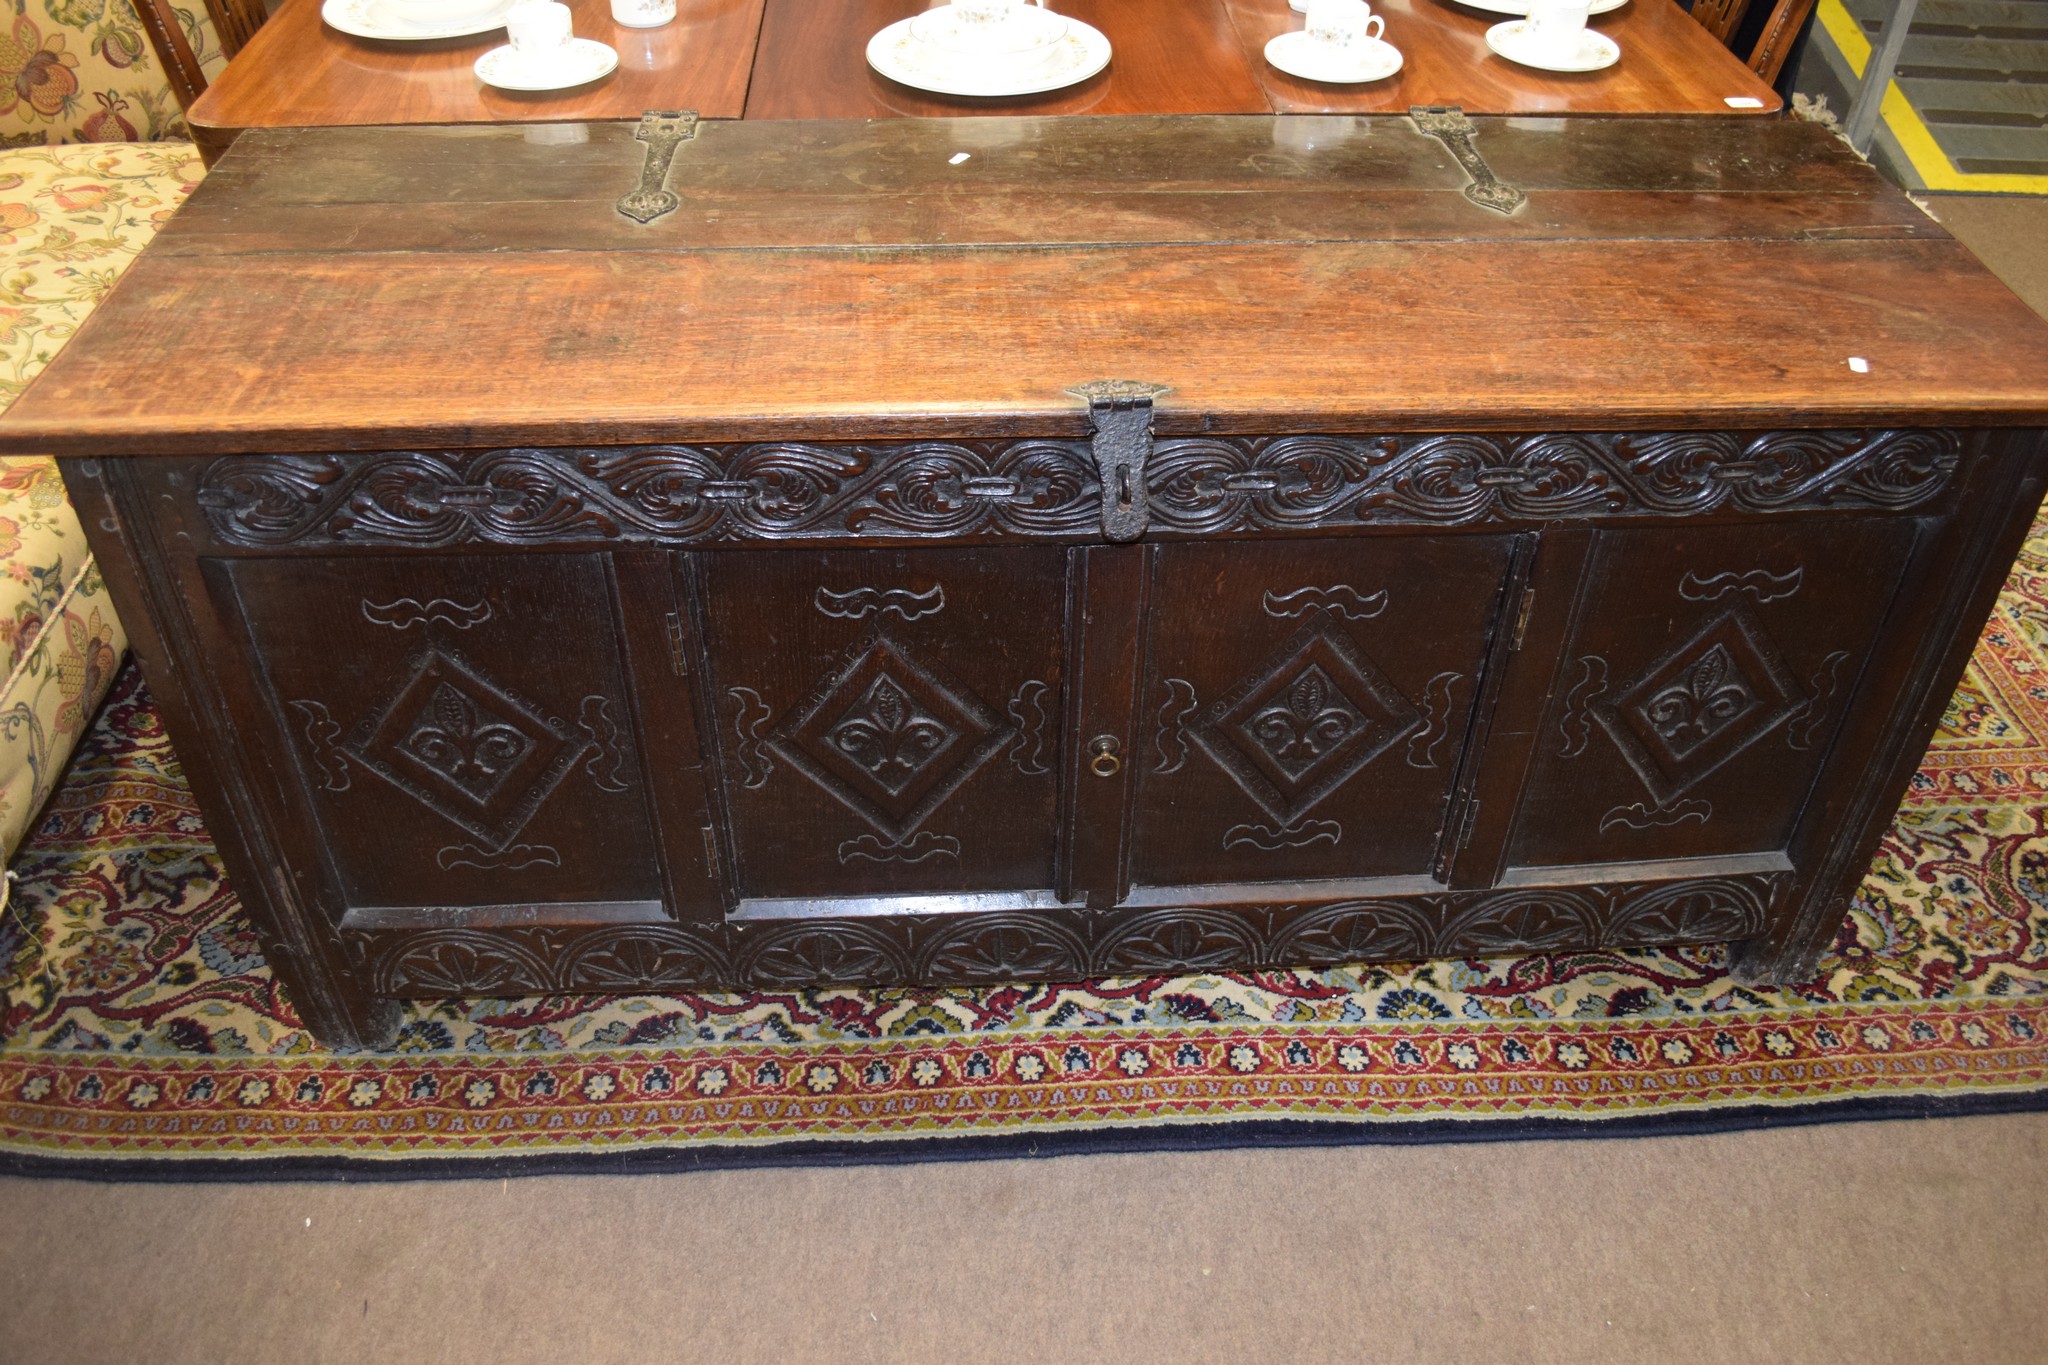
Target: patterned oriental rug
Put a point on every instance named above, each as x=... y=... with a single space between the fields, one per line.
x=145 y=1038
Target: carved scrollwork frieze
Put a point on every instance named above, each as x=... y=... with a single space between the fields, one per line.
x=1012 y=945
x=1031 y=489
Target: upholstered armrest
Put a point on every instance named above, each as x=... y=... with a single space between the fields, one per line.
x=71 y=218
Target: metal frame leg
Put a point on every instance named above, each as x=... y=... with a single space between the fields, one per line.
x=1877 y=78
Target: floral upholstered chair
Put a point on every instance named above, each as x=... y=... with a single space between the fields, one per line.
x=72 y=217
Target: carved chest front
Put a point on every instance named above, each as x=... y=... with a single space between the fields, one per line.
x=1188 y=544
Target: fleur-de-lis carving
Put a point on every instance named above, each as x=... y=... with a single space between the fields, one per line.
x=1305 y=724
x=888 y=736
x=463 y=744
x=1707 y=698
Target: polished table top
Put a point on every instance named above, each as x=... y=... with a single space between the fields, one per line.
x=298 y=73
x=805 y=59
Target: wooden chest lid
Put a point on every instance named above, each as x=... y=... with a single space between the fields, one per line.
x=376 y=288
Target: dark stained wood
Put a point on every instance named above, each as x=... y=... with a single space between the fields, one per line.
x=1242 y=331
x=297 y=72
x=458 y=722
x=1791 y=610
x=1244 y=335
x=1168 y=57
x=1669 y=65
x=733 y=604
x=1306 y=704
x=236 y=21
x=173 y=50
x=1103 y=752
x=755 y=185
x=1782 y=27
x=888 y=681
x=1953 y=578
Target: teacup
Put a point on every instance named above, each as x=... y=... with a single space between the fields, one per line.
x=1010 y=30
x=643 y=13
x=1556 y=28
x=539 y=30
x=989 y=11
x=1341 y=25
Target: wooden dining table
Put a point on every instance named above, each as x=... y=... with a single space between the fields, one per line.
x=787 y=59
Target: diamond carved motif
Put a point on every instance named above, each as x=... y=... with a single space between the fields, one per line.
x=1312 y=715
x=1701 y=704
x=465 y=748
x=889 y=738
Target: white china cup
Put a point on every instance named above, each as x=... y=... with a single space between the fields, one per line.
x=989 y=11
x=1556 y=28
x=1339 y=26
x=979 y=31
x=643 y=13
x=539 y=30
x=987 y=25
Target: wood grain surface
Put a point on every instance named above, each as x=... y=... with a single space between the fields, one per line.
x=616 y=346
x=1169 y=57
x=517 y=406
x=1041 y=181
x=488 y=291
x=1669 y=65
x=297 y=72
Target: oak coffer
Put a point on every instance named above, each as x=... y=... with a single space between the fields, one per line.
x=599 y=558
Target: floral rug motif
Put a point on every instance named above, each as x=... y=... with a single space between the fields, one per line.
x=143 y=1033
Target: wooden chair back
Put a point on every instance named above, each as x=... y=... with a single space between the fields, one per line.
x=1723 y=19
x=234 y=23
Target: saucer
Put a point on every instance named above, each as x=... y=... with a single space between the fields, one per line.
x=1298 y=54
x=899 y=54
x=1596 y=50
x=1520 y=8
x=376 y=19
x=581 y=62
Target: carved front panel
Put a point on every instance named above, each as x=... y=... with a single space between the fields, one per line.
x=887 y=720
x=459 y=728
x=1700 y=687
x=1039 y=488
x=1304 y=705
x=1062 y=945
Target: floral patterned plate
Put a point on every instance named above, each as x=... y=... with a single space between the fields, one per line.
x=375 y=19
x=899 y=54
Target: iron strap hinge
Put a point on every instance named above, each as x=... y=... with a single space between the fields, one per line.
x=1470 y=825
x=1120 y=418
x=678 y=654
x=1522 y=617
x=663 y=131
x=1447 y=124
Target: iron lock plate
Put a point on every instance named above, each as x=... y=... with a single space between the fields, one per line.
x=1120 y=414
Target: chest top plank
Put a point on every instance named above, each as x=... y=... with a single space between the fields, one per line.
x=463 y=287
